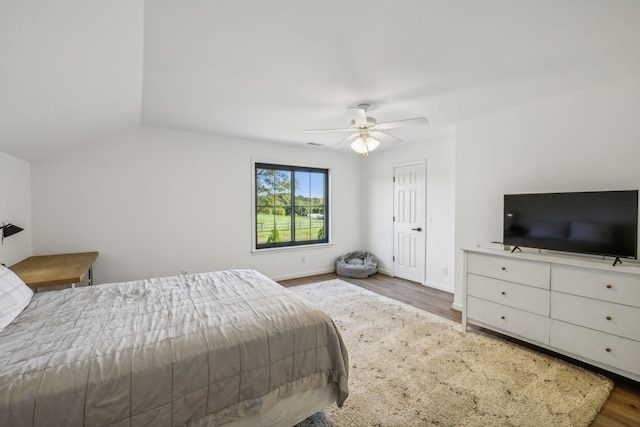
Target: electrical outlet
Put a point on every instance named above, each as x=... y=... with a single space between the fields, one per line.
x=185 y=272
x=303 y=259
x=445 y=271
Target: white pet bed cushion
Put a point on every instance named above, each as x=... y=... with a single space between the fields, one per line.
x=356 y=264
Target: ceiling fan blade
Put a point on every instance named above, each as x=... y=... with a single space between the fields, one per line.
x=385 y=137
x=327 y=130
x=359 y=114
x=418 y=121
x=348 y=140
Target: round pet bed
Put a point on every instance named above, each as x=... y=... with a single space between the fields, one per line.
x=356 y=264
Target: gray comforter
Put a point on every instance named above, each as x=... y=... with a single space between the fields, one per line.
x=165 y=351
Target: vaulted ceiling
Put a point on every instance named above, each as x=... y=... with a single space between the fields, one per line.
x=73 y=71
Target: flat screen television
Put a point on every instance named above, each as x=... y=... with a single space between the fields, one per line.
x=598 y=222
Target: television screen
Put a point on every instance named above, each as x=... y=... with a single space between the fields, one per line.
x=599 y=222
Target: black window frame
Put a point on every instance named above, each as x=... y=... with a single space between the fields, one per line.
x=292 y=169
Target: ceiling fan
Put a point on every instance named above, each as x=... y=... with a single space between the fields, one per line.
x=367 y=133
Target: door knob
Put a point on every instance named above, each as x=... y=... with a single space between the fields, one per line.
x=417 y=229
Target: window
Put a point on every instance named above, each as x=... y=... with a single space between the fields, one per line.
x=291 y=205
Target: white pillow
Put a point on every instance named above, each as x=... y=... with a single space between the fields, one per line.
x=14 y=296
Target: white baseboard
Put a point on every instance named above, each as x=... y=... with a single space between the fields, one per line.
x=438 y=287
x=457 y=307
x=429 y=284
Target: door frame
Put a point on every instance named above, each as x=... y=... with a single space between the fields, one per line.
x=423 y=163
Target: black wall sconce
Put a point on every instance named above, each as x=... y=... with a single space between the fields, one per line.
x=9 y=229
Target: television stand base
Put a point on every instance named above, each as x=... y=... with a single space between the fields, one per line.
x=514 y=249
x=617 y=260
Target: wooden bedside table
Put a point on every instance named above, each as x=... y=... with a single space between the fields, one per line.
x=51 y=270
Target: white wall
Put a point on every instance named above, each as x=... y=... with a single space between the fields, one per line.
x=156 y=201
x=15 y=207
x=581 y=141
x=377 y=190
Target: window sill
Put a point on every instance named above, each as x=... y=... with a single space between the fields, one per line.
x=255 y=251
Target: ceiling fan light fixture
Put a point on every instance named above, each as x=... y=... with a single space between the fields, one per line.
x=362 y=126
x=364 y=144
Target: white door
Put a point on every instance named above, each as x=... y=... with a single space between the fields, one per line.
x=408 y=227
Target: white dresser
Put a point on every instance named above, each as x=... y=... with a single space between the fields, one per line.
x=582 y=308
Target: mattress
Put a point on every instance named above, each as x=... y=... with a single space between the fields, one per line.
x=202 y=349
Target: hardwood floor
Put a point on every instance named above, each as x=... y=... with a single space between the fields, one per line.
x=621 y=409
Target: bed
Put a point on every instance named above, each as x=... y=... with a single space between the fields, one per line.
x=226 y=348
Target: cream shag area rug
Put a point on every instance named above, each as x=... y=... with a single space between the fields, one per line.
x=409 y=367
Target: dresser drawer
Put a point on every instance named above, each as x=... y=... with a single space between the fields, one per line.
x=501 y=317
x=528 y=298
x=603 y=316
x=611 y=350
x=610 y=286
x=530 y=273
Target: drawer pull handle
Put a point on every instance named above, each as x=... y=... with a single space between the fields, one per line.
x=608 y=350
x=503 y=293
x=504 y=268
x=502 y=317
x=608 y=317
x=609 y=286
